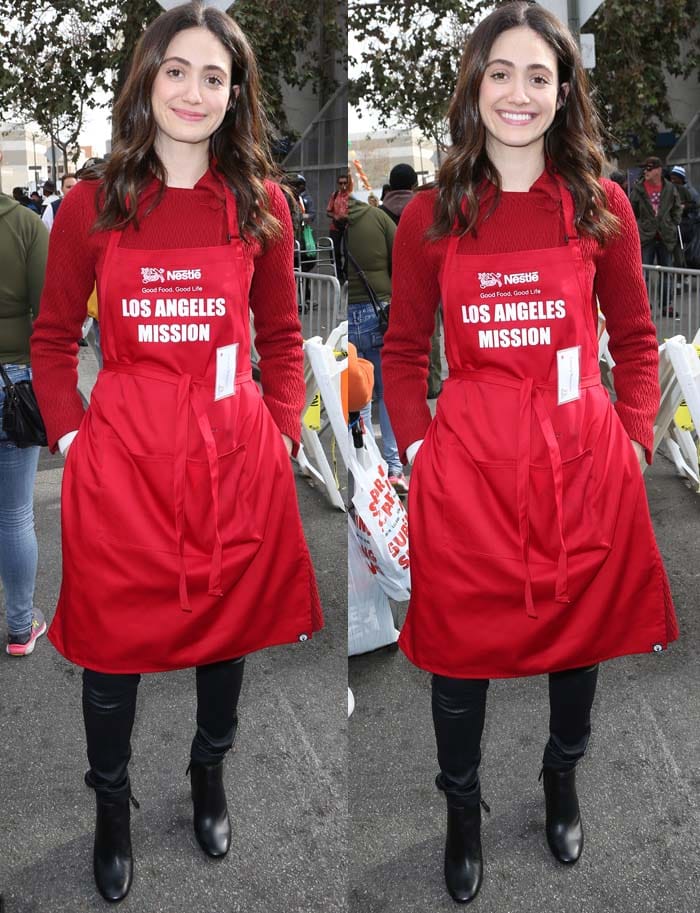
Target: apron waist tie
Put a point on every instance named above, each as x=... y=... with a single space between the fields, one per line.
x=522 y=470
x=187 y=396
x=213 y=460
x=532 y=399
x=561 y=593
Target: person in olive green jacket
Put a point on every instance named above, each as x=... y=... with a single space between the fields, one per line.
x=370 y=237
x=23 y=247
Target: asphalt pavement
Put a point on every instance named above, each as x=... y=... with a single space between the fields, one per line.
x=638 y=786
x=285 y=779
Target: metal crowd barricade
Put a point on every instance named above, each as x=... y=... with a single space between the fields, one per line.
x=320 y=261
x=319 y=303
x=674 y=298
x=324 y=262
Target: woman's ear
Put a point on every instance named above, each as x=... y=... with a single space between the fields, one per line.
x=563 y=94
x=235 y=91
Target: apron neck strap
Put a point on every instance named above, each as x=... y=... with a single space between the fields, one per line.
x=568 y=209
x=232 y=232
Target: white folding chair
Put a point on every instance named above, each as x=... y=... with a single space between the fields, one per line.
x=322 y=374
x=685 y=363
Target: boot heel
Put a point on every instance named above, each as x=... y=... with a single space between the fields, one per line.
x=212 y=826
x=464 y=866
x=113 y=865
x=564 y=828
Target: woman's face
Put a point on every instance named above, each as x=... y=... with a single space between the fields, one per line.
x=191 y=91
x=518 y=95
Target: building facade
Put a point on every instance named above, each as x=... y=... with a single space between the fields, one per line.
x=24 y=158
x=379 y=150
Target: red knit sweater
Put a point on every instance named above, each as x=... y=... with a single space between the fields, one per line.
x=183 y=218
x=523 y=221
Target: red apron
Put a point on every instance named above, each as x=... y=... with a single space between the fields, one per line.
x=532 y=548
x=182 y=542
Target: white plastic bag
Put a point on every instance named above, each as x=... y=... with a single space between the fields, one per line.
x=370 y=622
x=381 y=522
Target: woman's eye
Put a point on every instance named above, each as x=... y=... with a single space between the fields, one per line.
x=215 y=81
x=540 y=80
x=175 y=72
x=499 y=75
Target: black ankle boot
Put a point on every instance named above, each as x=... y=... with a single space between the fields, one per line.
x=563 y=822
x=112 y=861
x=211 y=822
x=464 y=865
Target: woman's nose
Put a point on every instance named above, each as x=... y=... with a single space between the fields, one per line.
x=519 y=91
x=192 y=92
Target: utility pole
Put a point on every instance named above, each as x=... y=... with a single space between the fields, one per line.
x=573 y=16
x=576 y=13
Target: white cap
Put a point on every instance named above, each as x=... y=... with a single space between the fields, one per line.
x=677 y=169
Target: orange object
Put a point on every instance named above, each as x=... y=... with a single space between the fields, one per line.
x=361 y=174
x=357 y=382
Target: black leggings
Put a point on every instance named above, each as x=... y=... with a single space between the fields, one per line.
x=459 y=709
x=109 y=706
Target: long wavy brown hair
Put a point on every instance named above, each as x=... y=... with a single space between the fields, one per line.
x=572 y=142
x=239 y=145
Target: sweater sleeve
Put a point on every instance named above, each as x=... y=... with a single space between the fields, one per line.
x=414 y=300
x=623 y=299
x=70 y=275
x=36 y=264
x=278 y=339
x=390 y=234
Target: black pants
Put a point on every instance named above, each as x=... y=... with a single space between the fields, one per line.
x=459 y=709
x=655 y=251
x=109 y=706
x=340 y=265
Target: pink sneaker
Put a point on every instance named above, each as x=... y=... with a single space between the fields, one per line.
x=400 y=483
x=21 y=647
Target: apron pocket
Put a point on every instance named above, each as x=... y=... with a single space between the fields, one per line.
x=238 y=520
x=479 y=508
x=587 y=521
x=136 y=506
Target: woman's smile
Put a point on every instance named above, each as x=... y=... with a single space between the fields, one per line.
x=193 y=116
x=516 y=118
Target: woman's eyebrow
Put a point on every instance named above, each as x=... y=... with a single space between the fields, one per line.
x=531 y=66
x=187 y=63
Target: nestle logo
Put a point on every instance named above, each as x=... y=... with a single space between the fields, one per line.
x=521 y=278
x=180 y=274
x=488 y=280
x=151 y=274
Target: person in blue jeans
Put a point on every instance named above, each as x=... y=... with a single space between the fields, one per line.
x=369 y=238
x=18 y=545
x=365 y=333
x=23 y=248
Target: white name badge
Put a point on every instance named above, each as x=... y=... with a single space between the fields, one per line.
x=569 y=374
x=226 y=357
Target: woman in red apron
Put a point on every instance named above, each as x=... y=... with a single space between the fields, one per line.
x=532 y=549
x=182 y=542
